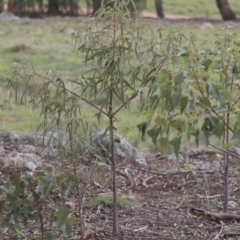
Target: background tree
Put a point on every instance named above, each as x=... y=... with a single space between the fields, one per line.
x=96 y=4
x=53 y=7
x=159 y=8
x=1 y=5
x=225 y=10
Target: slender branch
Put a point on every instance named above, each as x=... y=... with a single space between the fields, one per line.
x=85 y=100
x=73 y=93
x=219 y=117
x=224 y=151
x=129 y=99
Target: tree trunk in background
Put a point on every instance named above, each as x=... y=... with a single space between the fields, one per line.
x=96 y=5
x=12 y=6
x=1 y=5
x=159 y=8
x=225 y=10
x=53 y=7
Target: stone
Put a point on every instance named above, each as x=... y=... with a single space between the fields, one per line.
x=214 y=166
x=52 y=138
x=28 y=160
x=124 y=151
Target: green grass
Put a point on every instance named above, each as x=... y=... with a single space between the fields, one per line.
x=47 y=45
x=194 y=8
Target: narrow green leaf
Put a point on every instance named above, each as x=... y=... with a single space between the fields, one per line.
x=176 y=142
x=212 y=156
x=61 y=215
x=66 y=231
x=48 y=235
x=183 y=103
x=72 y=220
x=236 y=135
x=142 y=127
x=164 y=143
x=153 y=133
x=226 y=95
x=206 y=63
x=179 y=77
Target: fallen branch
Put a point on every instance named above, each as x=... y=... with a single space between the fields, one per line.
x=224 y=216
x=220 y=215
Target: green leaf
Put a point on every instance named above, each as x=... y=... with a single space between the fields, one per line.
x=166 y=93
x=236 y=135
x=142 y=127
x=72 y=220
x=163 y=75
x=187 y=132
x=164 y=143
x=48 y=235
x=226 y=95
x=179 y=77
x=226 y=146
x=206 y=63
x=153 y=133
x=66 y=231
x=212 y=156
x=183 y=103
x=204 y=136
x=214 y=91
x=204 y=102
x=183 y=51
x=61 y=215
x=176 y=142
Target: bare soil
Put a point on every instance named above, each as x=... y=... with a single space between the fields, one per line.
x=180 y=199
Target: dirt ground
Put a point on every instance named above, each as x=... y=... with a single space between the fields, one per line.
x=180 y=199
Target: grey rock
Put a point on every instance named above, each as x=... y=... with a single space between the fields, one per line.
x=53 y=138
x=235 y=150
x=232 y=204
x=215 y=166
x=173 y=157
x=2 y=150
x=28 y=149
x=124 y=151
x=49 y=152
x=28 y=160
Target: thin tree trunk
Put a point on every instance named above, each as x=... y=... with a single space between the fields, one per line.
x=53 y=7
x=12 y=6
x=96 y=5
x=225 y=10
x=1 y=5
x=159 y=8
x=113 y=164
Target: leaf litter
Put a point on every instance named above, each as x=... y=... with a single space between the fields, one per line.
x=177 y=199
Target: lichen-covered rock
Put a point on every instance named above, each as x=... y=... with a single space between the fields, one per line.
x=28 y=160
x=124 y=151
x=53 y=138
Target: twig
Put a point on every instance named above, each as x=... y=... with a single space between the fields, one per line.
x=219 y=234
x=71 y=92
x=223 y=216
x=224 y=151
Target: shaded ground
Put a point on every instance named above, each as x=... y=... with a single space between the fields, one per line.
x=174 y=206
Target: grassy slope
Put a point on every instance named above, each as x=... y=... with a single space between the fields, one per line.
x=201 y=8
x=47 y=45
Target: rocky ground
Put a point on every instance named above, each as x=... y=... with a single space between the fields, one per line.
x=178 y=199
